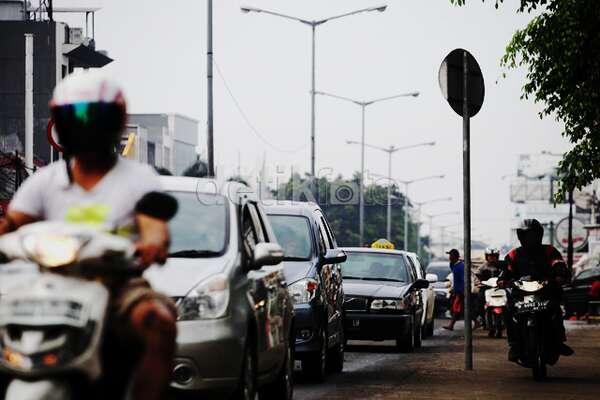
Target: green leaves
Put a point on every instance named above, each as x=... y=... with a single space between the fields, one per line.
x=560 y=48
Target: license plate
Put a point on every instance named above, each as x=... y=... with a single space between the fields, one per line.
x=355 y=323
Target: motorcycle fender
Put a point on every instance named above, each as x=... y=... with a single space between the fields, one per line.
x=38 y=390
x=530 y=322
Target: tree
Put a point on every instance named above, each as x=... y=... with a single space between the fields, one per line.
x=343 y=215
x=560 y=47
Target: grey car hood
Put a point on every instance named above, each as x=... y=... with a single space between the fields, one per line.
x=375 y=288
x=180 y=275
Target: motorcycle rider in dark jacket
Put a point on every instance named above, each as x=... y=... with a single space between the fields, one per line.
x=540 y=262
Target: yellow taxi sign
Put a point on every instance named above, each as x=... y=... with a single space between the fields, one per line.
x=383 y=244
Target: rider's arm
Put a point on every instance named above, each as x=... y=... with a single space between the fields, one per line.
x=507 y=270
x=560 y=272
x=153 y=211
x=14 y=220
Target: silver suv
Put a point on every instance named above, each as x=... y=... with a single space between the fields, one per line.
x=226 y=276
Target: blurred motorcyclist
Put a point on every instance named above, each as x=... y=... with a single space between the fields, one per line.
x=542 y=263
x=489 y=269
x=93 y=185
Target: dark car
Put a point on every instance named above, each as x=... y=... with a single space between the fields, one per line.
x=312 y=270
x=576 y=295
x=442 y=287
x=382 y=297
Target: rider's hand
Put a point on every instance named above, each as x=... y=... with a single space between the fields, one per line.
x=150 y=253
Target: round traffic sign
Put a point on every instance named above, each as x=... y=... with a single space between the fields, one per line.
x=580 y=234
x=451 y=77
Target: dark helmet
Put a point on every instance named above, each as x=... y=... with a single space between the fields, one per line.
x=530 y=232
x=89 y=114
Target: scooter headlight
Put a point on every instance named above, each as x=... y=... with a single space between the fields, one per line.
x=52 y=251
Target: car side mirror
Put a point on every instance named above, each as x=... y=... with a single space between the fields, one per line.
x=431 y=278
x=267 y=254
x=420 y=284
x=334 y=256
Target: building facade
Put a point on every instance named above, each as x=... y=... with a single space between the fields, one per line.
x=172 y=140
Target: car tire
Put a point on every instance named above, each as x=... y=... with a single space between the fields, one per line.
x=406 y=342
x=430 y=328
x=336 y=355
x=314 y=365
x=247 y=385
x=418 y=342
x=282 y=388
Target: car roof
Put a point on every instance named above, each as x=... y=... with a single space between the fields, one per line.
x=372 y=250
x=437 y=264
x=289 y=207
x=231 y=190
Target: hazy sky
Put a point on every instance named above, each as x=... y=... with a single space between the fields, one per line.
x=159 y=50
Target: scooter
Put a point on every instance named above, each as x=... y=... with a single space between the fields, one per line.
x=53 y=329
x=534 y=312
x=495 y=307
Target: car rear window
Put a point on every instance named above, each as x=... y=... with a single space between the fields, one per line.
x=441 y=271
x=293 y=234
x=589 y=273
x=375 y=265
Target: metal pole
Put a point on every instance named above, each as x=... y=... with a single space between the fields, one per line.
x=209 y=77
x=389 y=197
x=467 y=214
x=361 y=217
x=29 y=100
x=570 y=245
x=312 y=109
x=418 y=220
x=405 y=217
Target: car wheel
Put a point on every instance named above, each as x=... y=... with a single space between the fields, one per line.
x=336 y=356
x=406 y=342
x=315 y=365
x=418 y=335
x=247 y=386
x=283 y=386
x=430 y=328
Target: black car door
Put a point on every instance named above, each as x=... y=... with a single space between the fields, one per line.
x=331 y=276
x=264 y=293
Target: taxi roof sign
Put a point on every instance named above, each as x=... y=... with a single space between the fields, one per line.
x=383 y=244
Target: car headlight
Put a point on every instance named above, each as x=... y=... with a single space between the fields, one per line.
x=303 y=291
x=209 y=300
x=387 y=304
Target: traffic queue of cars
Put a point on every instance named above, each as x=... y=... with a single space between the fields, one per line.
x=258 y=288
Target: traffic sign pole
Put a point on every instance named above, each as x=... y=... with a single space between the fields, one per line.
x=462 y=85
x=467 y=213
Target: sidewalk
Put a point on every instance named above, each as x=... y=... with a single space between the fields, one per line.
x=439 y=374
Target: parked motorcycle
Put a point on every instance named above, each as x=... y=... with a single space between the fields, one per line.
x=53 y=342
x=495 y=307
x=534 y=312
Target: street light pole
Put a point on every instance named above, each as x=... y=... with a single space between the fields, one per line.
x=363 y=104
x=419 y=206
x=313 y=25
x=406 y=186
x=390 y=151
x=209 y=77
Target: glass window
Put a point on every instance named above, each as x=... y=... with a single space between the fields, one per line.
x=293 y=234
x=375 y=266
x=593 y=272
x=441 y=271
x=201 y=224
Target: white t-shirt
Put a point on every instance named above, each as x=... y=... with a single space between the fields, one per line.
x=109 y=205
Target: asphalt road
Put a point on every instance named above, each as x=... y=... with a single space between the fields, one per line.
x=375 y=370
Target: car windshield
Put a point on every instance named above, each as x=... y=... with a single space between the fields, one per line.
x=293 y=234
x=441 y=271
x=200 y=227
x=375 y=266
